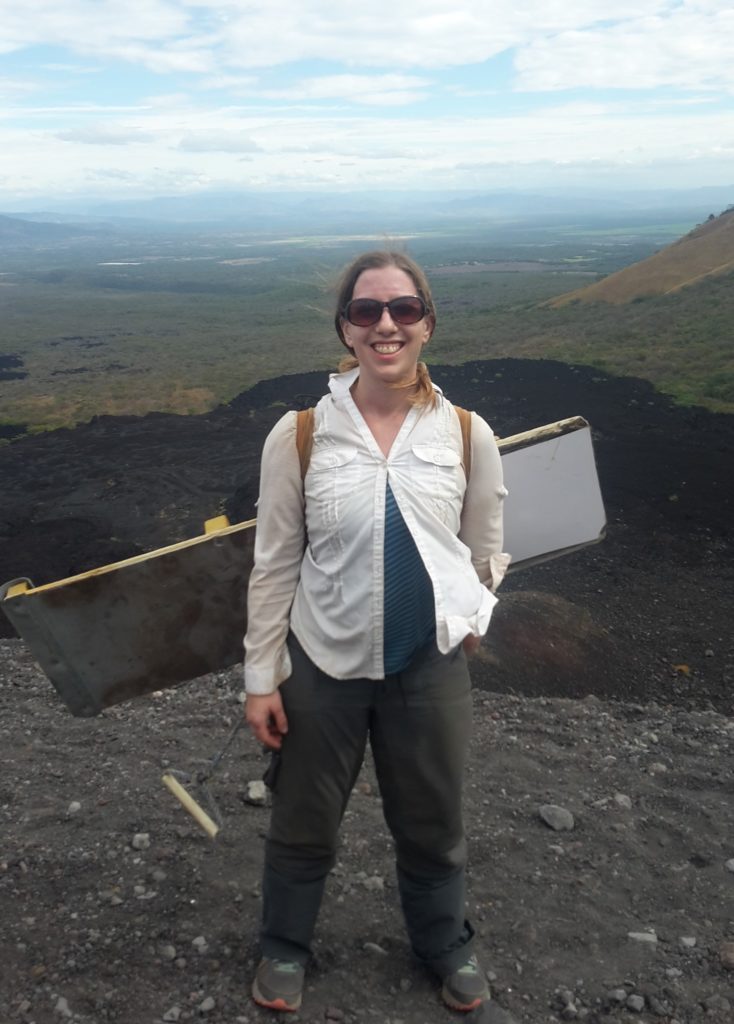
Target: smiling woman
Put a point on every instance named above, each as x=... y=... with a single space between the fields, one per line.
x=373 y=578
x=385 y=316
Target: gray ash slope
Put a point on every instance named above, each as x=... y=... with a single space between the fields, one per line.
x=646 y=613
x=101 y=927
x=117 y=909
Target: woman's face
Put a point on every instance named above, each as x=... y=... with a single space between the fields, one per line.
x=388 y=352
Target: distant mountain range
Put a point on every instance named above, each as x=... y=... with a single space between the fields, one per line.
x=384 y=211
x=17 y=229
x=705 y=252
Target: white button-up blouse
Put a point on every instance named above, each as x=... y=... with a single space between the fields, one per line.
x=319 y=543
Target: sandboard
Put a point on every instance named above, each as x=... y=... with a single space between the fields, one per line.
x=161 y=618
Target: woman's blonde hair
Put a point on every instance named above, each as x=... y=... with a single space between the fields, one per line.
x=422 y=390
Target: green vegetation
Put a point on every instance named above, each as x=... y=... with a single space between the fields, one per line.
x=128 y=325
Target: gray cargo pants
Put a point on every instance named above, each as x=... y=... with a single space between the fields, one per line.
x=418 y=723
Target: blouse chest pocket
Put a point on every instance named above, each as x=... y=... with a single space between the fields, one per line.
x=439 y=480
x=332 y=475
x=438 y=467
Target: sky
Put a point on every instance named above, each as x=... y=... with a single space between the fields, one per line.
x=130 y=99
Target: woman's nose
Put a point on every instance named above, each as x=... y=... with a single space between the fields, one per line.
x=386 y=322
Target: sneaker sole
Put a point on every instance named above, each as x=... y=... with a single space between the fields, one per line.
x=274 y=1004
x=454 y=1004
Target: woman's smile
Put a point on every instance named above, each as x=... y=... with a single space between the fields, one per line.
x=387 y=348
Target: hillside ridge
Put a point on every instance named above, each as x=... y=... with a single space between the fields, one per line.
x=706 y=251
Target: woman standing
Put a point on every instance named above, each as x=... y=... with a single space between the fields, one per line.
x=373 y=578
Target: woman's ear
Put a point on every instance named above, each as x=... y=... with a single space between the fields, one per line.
x=430 y=325
x=345 y=325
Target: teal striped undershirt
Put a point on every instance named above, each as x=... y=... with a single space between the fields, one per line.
x=410 y=615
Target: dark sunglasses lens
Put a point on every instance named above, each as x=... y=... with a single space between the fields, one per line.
x=407 y=310
x=363 y=312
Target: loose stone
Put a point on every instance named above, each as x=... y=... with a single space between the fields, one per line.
x=62 y=1007
x=257 y=793
x=372 y=947
x=172 y=1015
x=658 y=1007
x=557 y=818
x=74 y=807
x=726 y=955
x=688 y=941
x=207 y=1005
x=649 y=937
x=635 y=1003
x=623 y=801
x=713 y=1003
x=141 y=841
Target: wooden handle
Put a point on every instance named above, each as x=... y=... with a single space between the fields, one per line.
x=195 y=810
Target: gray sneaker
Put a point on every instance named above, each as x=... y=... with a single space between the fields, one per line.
x=278 y=984
x=466 y=988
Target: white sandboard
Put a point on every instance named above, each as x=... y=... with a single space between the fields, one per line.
x=554 y=503
x=162 y=618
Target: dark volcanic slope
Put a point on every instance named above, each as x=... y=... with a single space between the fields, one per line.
x=645 y=614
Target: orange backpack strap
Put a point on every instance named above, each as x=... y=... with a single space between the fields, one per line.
x=304 y=438
x=465 y=422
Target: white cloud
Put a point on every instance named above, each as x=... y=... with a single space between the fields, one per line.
x=12 y=89
x=83 y=25
x=371 y=152
x=158 y=34
x=690 y=48
x=166 y=100
x=403 y=33
x=165 y=59
x=217 y=142
x=235 y=84
x=223 y=36
x=559 y=44
x=105 y=135
x=282 y=123
x=73 y=69
x=29 y=113
x=370 y=90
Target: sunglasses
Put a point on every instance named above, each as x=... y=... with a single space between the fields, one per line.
x=407 y=309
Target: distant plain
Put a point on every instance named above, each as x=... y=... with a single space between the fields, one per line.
x=114 y=321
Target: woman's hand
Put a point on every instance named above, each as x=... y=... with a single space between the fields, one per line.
x=266 y=718
x=471 y=644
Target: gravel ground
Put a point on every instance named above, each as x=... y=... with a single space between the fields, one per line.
x=117 y=907
x=604 y=688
